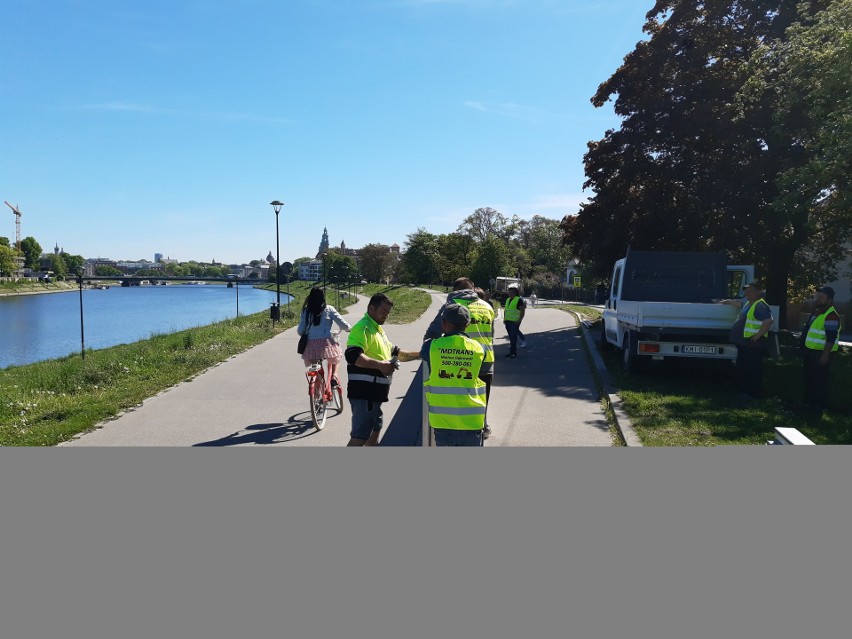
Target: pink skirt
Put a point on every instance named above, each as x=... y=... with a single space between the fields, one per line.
x=324 y=348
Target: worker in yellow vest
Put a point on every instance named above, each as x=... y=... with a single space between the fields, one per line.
x=750 y=333
x=513 y=314
x=481 y=329
x=820 y=338
x=454 y=393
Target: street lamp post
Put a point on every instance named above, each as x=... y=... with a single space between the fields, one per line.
x=79 y=273
x=323 y=273
x=276 y=313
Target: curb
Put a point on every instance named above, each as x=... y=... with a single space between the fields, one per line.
x=607 y=391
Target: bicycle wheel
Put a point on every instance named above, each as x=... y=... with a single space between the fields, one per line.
x=318 y=405
x=337 y=398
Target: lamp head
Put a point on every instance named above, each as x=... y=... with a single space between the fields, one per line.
x=276 y=206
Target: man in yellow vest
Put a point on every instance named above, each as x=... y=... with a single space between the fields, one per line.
x=750 y=333
x=371 y=359
x=480 y=329
x=513 y=314
x=454 y=393
x=820 y=338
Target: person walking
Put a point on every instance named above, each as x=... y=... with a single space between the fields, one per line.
x=455 y=394
x=317 y=320
x=371 y=360
x=750 y=333
x=820 y=338
x=533 y=299
x=481 y=329
x=513 y=314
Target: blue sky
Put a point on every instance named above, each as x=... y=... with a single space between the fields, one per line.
x=129 y=128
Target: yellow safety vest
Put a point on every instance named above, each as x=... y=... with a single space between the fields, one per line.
x=368 y=383
x=815 y=338
x=454 y=392
x=481 y=329
x=512 y=313
x=752 y=325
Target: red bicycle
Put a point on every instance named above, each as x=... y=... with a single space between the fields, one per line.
x=319 y=400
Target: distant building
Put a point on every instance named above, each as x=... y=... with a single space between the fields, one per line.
x=311 y=271
x=323 y=247
x=158 y=257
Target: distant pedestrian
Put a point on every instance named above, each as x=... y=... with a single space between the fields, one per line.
x=513 y=315
x=455 y=394
x=750 y=333
x=533 y=299
x=370 y=356
x=820 y=338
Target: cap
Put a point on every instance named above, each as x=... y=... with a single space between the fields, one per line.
x=456 y=314
x=754 y=284
x=512 y=287
x=827 y=290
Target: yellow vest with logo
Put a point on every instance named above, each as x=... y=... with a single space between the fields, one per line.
x=454 y=392
x=752 y=325
x=815 y=339
x=512 y=313
x=481 y=329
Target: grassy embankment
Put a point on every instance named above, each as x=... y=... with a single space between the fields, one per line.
x=18 y=288
x=689 y=403
x=49 y=402
x=408 y=303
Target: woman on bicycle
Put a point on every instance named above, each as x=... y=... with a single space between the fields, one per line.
x=317 y=318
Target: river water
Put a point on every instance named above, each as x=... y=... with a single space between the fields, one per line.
x=45 y=326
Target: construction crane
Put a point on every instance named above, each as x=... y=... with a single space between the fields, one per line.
x=17 y=211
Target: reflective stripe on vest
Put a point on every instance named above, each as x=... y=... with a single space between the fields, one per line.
x=752 y=325
x=454 y=392
x=815 y=339
x=373 y=379
x=511 y=313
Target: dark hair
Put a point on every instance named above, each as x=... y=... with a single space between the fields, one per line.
x=380 y=298
x=462 y=284
x=479 y=293
x=315 y=304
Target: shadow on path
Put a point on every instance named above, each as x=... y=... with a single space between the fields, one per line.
x=297 y=427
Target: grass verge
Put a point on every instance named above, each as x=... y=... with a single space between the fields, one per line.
x=408 y=303
x=694 y=403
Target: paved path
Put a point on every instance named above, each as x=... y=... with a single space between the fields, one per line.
x=545 y=397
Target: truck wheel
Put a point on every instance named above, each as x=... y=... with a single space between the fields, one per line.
x=631 y=362
x=604 y=345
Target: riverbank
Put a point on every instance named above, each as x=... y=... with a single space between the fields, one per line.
x=11 y=290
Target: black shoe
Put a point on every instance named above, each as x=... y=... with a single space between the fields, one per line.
x=512 y=355
x=486 y=432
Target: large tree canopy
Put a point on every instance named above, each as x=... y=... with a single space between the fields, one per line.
x=694 y=166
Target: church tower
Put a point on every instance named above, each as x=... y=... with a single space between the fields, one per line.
x=323 y=247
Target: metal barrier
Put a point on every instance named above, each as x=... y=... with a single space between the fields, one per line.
x=789 y=437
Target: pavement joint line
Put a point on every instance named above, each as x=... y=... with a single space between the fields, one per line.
x=605 y=387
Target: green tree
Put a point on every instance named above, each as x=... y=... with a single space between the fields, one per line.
x=419 y=263
x=375 y=260
x=32 y=252
x=72 y=262
x=340 y=269
x=107 y=271
x=485 y=223
x=491 y=260
x=7 y=260
x=804 y=80
x=688 y=169
x=455 y=255
x=58 y=265
x=4 y=241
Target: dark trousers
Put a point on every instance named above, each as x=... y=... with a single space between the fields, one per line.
x=447 y=437
x=817 y=379
x=487 y=378
x=513 y=329
x=750 y=370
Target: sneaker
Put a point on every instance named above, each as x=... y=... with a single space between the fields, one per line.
x=334 y=382
x=486 y=431
x=511 y=355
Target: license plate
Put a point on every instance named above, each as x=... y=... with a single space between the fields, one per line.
x=703 y=350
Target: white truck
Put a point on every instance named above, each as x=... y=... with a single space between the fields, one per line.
x=501 y=288
x=664 y=304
